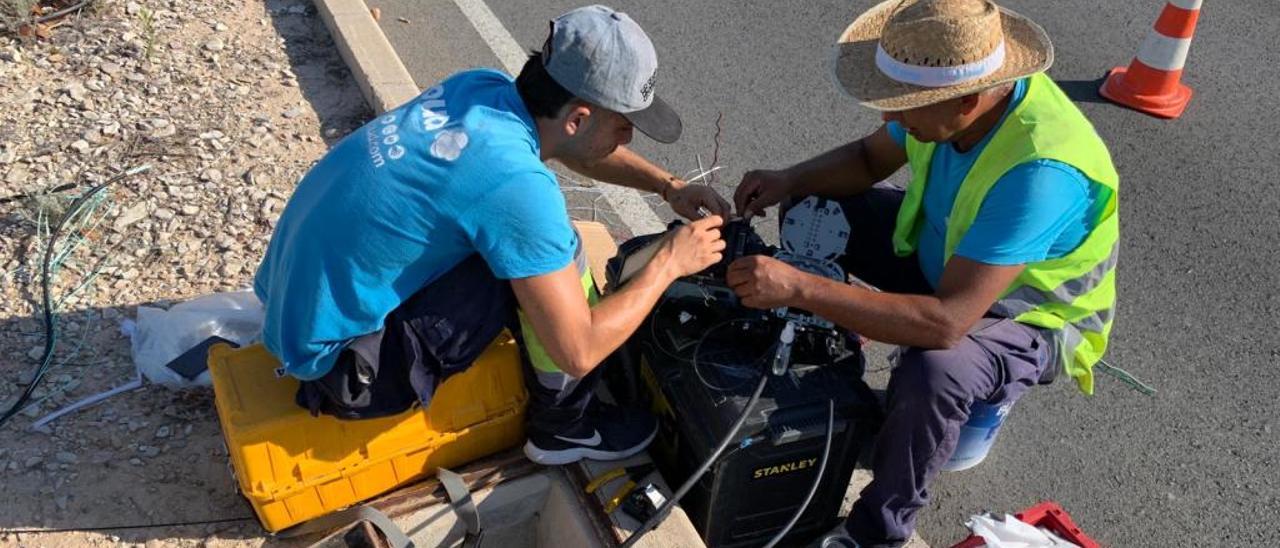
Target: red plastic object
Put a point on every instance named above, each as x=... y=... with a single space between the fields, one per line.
x=1049 y=515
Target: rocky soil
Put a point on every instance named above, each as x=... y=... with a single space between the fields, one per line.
x=229 y=102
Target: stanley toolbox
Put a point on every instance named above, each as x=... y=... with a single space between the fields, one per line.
x=760 y=481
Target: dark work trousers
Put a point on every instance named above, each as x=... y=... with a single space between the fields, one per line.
x=437 y=332
x=929 y=391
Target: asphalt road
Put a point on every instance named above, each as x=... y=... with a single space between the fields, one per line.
x=1199 y=311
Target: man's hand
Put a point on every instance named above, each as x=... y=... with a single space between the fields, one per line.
x=578 y=337
x=847 y=170
x=687 y=199
x=694 y=247
x=761 y=189
x=764 y=282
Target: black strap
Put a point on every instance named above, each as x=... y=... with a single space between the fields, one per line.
x=465 y=507
x=395 y=537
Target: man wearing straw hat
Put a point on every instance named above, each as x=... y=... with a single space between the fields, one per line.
x=996 y=265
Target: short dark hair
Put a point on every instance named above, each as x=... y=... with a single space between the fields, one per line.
x=542 y=95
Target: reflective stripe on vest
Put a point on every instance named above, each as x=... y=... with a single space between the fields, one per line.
x=1072 y=296
x=538 y=357
x=1067 y=338
x=1023 y=299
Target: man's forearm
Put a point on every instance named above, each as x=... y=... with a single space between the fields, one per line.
x=626 y=168
x=618 y=315
x=894 y=318
x=578 y=337
x=839 y=172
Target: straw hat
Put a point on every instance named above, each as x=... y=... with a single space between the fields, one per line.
x=904 y=54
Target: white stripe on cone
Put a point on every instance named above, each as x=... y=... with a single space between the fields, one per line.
x=1163 y=53
x=1187 y=4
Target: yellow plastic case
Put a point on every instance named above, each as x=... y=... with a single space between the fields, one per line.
x=293 y=467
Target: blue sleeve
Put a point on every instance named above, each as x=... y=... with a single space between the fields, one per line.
x=1028 y=214
x=898 y=134
x=521 y=228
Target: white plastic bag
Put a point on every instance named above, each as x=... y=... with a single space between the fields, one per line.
x=1010 y=532
x=159 y=336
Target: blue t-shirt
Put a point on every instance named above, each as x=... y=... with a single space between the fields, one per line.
x=1036 y=211
x=401 y=201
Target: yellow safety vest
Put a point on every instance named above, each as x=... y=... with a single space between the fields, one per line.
x=1073 y=296
x=538 y=357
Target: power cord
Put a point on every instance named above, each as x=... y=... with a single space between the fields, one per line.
x=660 y=344
x=754 y=364
x=733 y=431
x=662 y=512
x=817 y=480
x=123 y=527
x=50 y=329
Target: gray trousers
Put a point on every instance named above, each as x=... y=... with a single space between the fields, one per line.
x=929 y=391
x=438 y=332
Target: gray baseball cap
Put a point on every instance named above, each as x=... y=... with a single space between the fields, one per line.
x=602 y=56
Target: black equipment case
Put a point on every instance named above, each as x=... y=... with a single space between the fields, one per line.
x=759 y=482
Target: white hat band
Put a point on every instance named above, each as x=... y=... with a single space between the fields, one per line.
x=937 y=77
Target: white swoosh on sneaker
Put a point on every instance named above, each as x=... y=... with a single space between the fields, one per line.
x=592 y=441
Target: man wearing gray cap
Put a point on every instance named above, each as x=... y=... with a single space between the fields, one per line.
x=419 y=237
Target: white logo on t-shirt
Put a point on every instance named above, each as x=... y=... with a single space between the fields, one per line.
x=449 y=144
x=384 y=141
x=384 y=137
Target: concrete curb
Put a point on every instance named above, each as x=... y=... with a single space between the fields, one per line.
x=385 y=82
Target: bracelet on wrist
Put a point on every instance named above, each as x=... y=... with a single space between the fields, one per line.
x=666 y=189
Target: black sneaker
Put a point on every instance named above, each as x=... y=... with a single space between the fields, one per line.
x=606 y=432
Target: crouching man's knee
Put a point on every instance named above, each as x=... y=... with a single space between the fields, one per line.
x=924 y=375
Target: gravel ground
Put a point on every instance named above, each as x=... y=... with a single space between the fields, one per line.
x=229 y=101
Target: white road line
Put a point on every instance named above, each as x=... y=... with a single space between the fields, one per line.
x=629 y=205
x=490 y=28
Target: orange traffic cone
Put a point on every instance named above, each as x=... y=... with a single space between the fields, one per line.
x=1153 y=81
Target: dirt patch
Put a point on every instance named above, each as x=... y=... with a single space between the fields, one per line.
x=229 y=101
